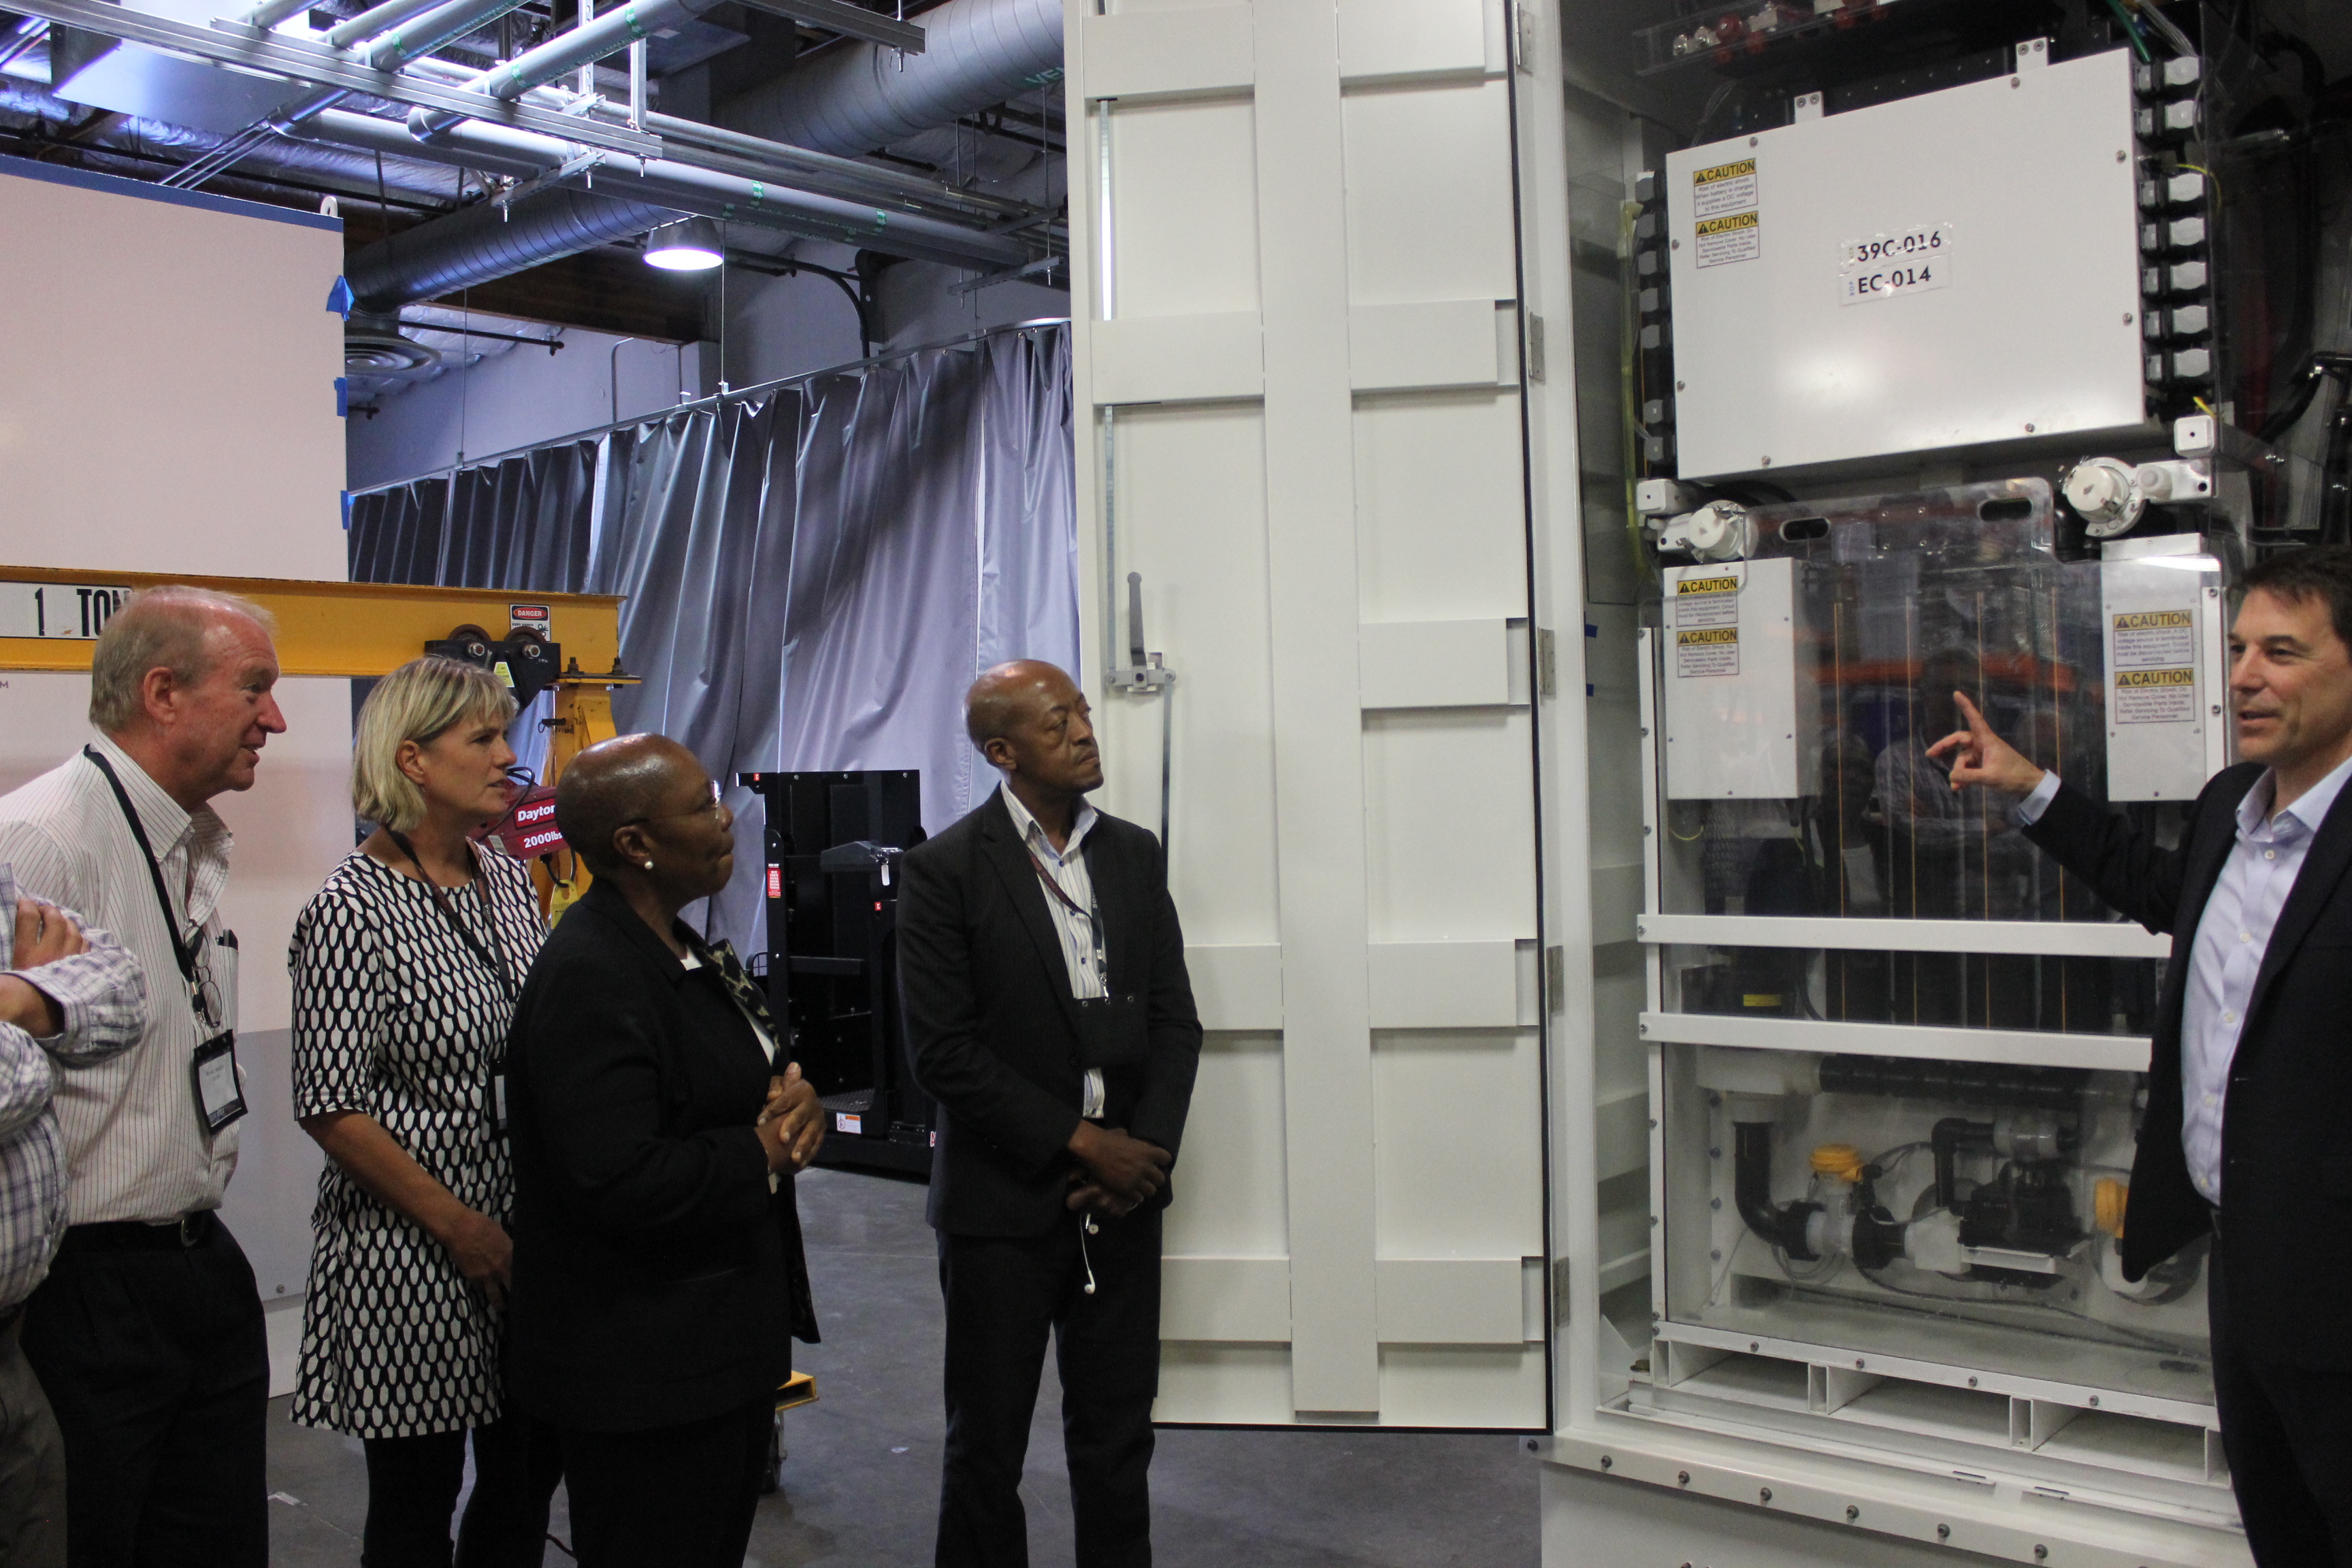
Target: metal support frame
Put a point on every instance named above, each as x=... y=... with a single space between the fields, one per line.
x=235 y=43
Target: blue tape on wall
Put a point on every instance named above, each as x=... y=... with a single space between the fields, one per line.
x=342 y=397
x=338 y=299
x=347 y=512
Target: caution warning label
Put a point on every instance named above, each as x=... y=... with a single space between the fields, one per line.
x=1726 y=188
x=2155 y=639
x=1735 y=236
x=1709 y=650
x=2155 y=696
x=1706 y=601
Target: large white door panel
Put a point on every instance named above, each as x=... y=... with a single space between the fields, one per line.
x=1449 y=817
x=1298 y=357
x=1429 y=193
x=1183 y=236
x=1441 y=514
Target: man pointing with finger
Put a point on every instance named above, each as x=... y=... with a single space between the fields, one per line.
x=2248 y=1131
x=1049 y=1014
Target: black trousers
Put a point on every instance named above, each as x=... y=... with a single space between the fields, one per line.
x=413 y=1485
x=2287 y=1431
x=1005 y=1295
x=680 y=1497
x=148 y=1343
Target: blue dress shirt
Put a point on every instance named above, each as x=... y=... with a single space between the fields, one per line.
x=2227 y=956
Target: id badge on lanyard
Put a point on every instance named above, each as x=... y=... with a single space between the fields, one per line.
x=220 y=1094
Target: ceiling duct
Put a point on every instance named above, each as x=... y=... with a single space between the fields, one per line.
x=476 y=244
x=373 y=345
x=855 y=98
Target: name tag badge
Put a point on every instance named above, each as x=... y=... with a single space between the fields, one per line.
x=220 y=1098
x=498 y=1103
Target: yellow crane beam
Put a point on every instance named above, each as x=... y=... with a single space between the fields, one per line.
x=50 y=618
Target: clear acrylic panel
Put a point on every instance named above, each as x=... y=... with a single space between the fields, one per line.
x=2052 y=993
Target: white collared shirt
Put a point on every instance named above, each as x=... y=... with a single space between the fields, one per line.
x=2226 y=958
x=1078 y=928
x=135 y=1147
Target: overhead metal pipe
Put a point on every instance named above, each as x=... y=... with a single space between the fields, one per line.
x=581 y=46
x=272 y=12
x=846 y=171
x=487 y=241
x=375 y=20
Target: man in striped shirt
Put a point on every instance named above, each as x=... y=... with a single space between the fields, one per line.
x=147 y=1335
x=69 y=999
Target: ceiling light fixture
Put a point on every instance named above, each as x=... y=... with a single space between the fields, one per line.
x=691 y=245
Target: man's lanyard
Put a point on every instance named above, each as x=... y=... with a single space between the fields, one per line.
x=186 y=952
x=496 y=965
x=1094 y=922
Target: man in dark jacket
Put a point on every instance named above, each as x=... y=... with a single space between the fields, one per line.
x=2248 y=1132
x=1049 y=1014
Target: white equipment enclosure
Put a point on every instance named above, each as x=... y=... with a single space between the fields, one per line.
x=1529 y=551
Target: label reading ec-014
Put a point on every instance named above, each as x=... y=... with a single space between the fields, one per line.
x=1905 y=261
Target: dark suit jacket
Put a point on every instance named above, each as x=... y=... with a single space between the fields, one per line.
x=997 y=1038
x=657 y=1281
x=2286 y=1129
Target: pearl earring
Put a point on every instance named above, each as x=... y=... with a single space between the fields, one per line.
x=649 y=865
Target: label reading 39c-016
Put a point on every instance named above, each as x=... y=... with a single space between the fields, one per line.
x=1903 y=261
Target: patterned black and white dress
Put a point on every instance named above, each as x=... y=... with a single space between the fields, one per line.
x=394 y=1016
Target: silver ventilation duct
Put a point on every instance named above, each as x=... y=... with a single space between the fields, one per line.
x=854 y=98
x=482 y=242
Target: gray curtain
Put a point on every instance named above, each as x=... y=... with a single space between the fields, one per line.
x=813 y=577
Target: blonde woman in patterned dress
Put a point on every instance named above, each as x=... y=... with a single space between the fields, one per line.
x=405 y=967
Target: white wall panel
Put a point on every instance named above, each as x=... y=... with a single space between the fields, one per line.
x=1452 y=1301
x=1191 y=510
x=1447 y=809
x=1229 y=1199
x=1216 y=1383
x=1236 y=986
x=1243 y=1299
x=1444 y=984
x=1456 y=1126
x=1389 y=38
x=1178 y=359
x=1435 y=664
x=1443 y=342
x=1441 y=519
x=1429 y=203
x=1184 y=230
x=1190 y=49
x=1461 y=1385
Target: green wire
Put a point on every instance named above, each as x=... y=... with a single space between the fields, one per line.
x=2139 y=43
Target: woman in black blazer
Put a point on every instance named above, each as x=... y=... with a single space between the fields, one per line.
x=659 y=1279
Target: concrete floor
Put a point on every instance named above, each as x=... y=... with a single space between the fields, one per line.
x=861 y=1479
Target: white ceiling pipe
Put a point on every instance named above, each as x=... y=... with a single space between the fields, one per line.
x=375 y=20
x=568 y=51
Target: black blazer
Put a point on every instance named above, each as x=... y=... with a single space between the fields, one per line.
x=657 y=1281
x=2286 y=1127
x=997 y=1038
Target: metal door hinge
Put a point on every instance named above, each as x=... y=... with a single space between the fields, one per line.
x=1546 y=664
x=1535 y=356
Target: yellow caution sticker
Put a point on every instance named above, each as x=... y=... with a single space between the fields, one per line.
x=1726 y=187
x=1707 y=652
x=2156 y=697
x=1734 y=236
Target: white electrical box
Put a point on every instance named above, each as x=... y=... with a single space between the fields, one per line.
x=1742 y=716
x=1946 y=270
x=2161 y=628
